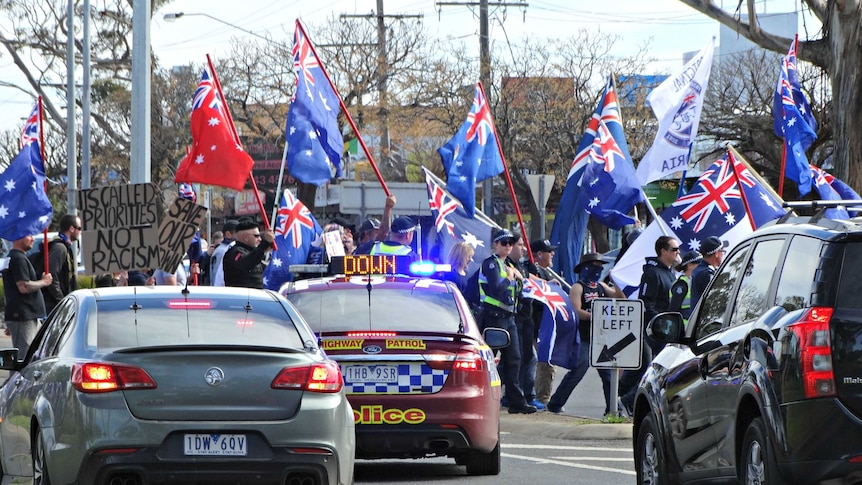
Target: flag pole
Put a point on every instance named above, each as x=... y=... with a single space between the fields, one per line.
x=345 y=111
x=732 y=160
x=754 y=173
x=278 y=187
x=783 y=165
x=509 y=183
x=45 y=183
x=236 y=139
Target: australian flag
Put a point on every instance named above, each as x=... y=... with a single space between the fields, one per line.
x=295 y=229
x=610 y=185
x=794 y=122
x=558 y=342
x=453 y=224
x=472 y=155
x=570 y=223
x=31 y=126
x=727 y=202
x=314 y=141
x=830 y=187
x=24 y=206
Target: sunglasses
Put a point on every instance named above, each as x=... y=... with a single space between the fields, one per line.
x=673 y=249
x=507 y=242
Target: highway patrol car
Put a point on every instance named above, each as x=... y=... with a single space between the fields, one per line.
x=419 y=373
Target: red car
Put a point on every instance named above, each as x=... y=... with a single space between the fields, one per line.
x=417 y=370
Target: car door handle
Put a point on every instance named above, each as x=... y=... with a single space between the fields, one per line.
x=18 y=381
x=37 y=375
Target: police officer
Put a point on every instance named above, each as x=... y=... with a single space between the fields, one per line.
x=498 y=285
x=400 y=238
x=712 y=250
x=680 y=292
x=243 y=263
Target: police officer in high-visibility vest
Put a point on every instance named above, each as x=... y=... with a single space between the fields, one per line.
x=680 y=291
x=498 y=285
x=400 y=238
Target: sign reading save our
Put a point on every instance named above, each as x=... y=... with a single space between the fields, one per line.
x=125 y=230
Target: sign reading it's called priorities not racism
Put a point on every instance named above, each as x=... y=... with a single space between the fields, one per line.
x=124 y=229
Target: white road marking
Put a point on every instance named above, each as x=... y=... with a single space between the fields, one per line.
x=561 y=447
x=565 y=463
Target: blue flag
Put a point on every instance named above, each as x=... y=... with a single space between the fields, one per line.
x=295 y=229
x=314 y=141
x=558 y=342
x=453 y=224
x=794 y=122
x=826 y=192
x=24 y=206
x=472 y=155
x=570 y=222
x=610 y=185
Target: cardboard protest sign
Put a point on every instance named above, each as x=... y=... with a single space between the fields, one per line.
x=177 y=230
x=333 y=243
x=120 y=227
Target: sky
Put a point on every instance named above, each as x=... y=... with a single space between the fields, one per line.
x=207 y=27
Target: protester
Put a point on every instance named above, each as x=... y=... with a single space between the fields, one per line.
x=583 y=292
x=712 y=250
x=372 y=230
x=217 y=259
x=526 y=327
x=243 y=263
x=459 y=258
x=498 y=284
x=347 y=232
x=206 y=259
x=543 y=252
x=25 y=305
x=62 y=262
x=654 y=292
x=400 y=239
x=680 y=292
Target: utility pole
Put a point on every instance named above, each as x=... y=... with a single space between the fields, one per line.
x=71 y=145
x=382 y=74
x=485 y=74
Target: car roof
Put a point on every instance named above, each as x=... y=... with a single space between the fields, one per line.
x=821 y=228
x=160 y=292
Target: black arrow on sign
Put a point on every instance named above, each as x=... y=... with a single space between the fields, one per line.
x=609 y=353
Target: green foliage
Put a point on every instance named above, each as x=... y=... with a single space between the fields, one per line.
x=86 y=281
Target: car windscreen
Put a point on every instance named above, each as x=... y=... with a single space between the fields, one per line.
x=390 y=309
x=129 y=323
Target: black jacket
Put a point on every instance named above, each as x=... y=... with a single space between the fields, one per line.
x=243 y=265
x=655 y=287
x=64 y=270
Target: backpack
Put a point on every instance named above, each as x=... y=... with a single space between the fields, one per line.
x=37 y=258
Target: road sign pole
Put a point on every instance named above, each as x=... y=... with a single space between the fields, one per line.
x=615 y=391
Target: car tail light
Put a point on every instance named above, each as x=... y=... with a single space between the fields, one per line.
x=190 y=304
x=815 y=352
x=92 y=377
x=372 y=334
x=320 y=377
x=469 y=360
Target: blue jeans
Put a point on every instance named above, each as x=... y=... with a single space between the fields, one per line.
x=574 y=376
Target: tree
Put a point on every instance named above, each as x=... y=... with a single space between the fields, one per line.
x=842 y=27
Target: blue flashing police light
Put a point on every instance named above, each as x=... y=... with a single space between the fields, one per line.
x=380 y=264
x=427 y=268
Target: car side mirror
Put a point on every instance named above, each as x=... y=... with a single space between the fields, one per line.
x=8 y=359
x=496 y=338
x=666 y=327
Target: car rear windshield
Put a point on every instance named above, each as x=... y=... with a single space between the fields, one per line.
x=238 y=322
x=397 y=310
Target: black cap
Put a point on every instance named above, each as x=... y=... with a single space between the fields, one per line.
x=542 y=245
x=711 y=245
x=503 y=235
x=246 y=223
x=369 y=224
x=589 y=258
x=345 y=224
x=403 y=225
x=230 y=225
x=688 y=258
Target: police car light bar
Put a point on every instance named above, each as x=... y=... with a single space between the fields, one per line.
x=372 y=264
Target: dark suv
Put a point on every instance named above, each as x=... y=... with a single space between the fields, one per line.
x=764 y=382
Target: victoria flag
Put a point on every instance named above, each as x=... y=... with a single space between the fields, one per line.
x=677 y=103
x=453 y=224
x=558 y=342
x=295 y=229
x=314 y=141
x=570 y=223
x=727 y=202
x=794 y=122
x=609 y=183
x=472 y=155
x=24 y=206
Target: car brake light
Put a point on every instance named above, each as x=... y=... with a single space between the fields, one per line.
x=815 y=352
x=95 y=377
x=319 y=377
x=372 y=334
x=469 y=360
x=190 y=304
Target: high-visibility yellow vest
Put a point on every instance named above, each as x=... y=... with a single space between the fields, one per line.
x=483 y=282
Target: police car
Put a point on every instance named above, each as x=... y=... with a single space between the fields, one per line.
x=419 y=373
